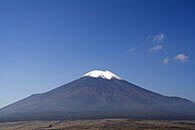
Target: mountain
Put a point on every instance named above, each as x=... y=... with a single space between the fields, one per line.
x=98 y=94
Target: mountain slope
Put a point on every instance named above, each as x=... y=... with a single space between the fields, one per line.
x=99 y=96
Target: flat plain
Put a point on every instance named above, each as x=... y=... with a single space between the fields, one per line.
x=99 y=124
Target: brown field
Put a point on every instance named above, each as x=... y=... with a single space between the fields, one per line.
x=99 y=124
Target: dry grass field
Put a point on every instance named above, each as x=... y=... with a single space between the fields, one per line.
x=99 y=124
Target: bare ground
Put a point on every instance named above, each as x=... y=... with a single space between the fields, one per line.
x=99 y=124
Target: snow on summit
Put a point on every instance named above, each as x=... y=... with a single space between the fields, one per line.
x=103 y=74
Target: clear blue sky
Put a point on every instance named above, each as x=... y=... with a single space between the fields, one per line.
x=47 y=43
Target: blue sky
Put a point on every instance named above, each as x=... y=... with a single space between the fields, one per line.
x=47 y=43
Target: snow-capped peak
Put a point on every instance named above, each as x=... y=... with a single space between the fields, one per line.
x=105 y=74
